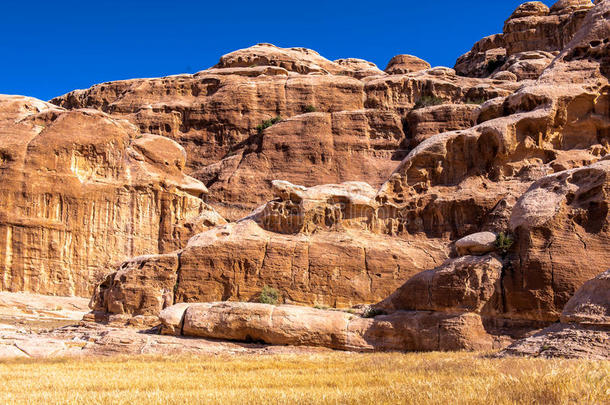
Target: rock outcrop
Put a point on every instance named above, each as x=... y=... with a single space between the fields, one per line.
x=531 y=36
x=337 y=121
x=301 y=326
x=535 y=166
x=503 y=190
x=82 y=191
x=315 y=245
x=584 y=331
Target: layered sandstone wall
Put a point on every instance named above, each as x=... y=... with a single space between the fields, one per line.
x=82 y=191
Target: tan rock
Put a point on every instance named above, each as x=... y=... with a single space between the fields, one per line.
x=466 y=284
x=401 y=64
x=83 y=190
x=141 y=286
x=560 y=220
x=424 y=122
x=476 y=244
x=234 y=262
x=292 y=325
x=591 y=303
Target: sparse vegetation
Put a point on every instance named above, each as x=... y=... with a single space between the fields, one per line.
x=428 y=101
x=267 y=123
x=310 y=108
x=269 y=295
x=330 y=378
x=504 y=242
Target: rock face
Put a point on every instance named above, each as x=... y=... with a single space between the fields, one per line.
x=301 y=153
x=535 y=166
x=292 y=325
x=316 y=245
x=466 y=284
x=530 y=36
x=584 y=331
x=82 y=190
x=561 y=220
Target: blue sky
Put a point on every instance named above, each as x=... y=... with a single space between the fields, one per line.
x=52 y=47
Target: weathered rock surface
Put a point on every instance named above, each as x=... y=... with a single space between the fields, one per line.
x=422 y=123
x=562 y=228
x=301 y=326
x=477 y=243
x=81 y=191
x=466 y=284
x=584 y=331
x=401 y=64
x=524 y=152
x=342 y=120
x=530 y=34
x=234 y=262
x=590 y=304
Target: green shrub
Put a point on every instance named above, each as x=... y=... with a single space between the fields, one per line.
x=269 y=295
x=267 y=123
x=427 y=101
x=504 y=242
x=370 y=312
x=310 y=108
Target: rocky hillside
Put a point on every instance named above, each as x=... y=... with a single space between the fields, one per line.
x=467 y=205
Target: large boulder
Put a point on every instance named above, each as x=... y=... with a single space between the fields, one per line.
x=477 y=243
x=302 y=326
x=466 y=284
x=591 y=303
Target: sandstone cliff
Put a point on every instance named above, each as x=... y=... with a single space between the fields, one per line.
x=341 y=121
x=82 y=191
x=469 y=210
x=530 y=163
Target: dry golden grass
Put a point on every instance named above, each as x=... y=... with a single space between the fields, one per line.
x=429 y=378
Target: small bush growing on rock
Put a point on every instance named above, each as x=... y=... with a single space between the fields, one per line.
x=371 y=312
x=504 y=242
x=267 y=123
x=269 y=295
x=427 y=101
x=310 y=108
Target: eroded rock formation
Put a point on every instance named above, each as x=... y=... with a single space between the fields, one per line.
x=534 y=166
x=531 y=36
x=496 y=214
x=584 y=331
x=82 y=191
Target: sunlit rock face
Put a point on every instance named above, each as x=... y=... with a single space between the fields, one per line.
x=340 y=121
x=81 y=191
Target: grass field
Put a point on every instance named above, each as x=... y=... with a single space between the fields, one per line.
x=429 y=378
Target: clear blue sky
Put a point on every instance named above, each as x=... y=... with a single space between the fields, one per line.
x=51 y=47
